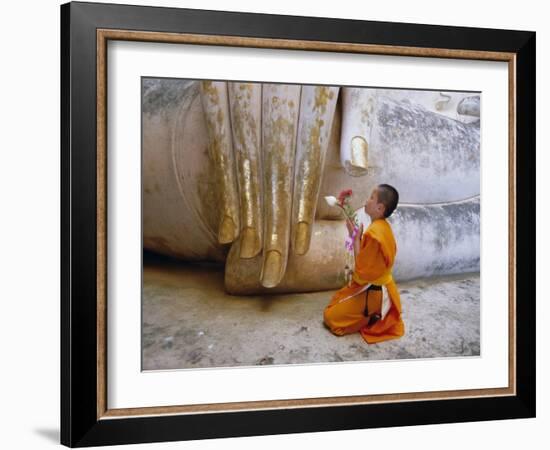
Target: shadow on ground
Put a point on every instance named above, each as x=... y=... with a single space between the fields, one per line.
x=50 y=434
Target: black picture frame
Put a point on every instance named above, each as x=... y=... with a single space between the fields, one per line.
x=81 y=421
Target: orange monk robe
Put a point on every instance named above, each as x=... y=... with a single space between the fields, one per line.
x=373 y=265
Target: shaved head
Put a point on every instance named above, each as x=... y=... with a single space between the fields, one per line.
x=389 y=197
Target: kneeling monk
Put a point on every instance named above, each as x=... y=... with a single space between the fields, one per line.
x=370 y=303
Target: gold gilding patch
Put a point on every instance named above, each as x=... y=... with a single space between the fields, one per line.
x=208 y=191
x=228 y=231
x=322 y=96
x=359 y=152
x=211 y=91
x=302 y=238
x=219 y=119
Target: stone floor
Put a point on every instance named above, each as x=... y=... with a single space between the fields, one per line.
x=190 y=322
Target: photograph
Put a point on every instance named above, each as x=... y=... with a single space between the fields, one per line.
x=280 y=224
x=308 y=224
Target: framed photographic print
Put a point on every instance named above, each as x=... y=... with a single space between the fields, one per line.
x=279 y=224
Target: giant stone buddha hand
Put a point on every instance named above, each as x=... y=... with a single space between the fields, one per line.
x=245 y=164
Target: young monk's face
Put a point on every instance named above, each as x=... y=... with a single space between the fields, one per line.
x=372 y=207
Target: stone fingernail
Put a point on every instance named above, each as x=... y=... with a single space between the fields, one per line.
x=228 y=231
x=250 y=243
x=359 y=152
x=271 y=274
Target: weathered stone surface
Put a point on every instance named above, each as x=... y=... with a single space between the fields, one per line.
x=437 y=239
x=190 y=322
x=470 y=106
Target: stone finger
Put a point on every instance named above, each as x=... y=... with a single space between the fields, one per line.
x=245 y=102
x=317 y=106
x=280 y=104
x=216 y=109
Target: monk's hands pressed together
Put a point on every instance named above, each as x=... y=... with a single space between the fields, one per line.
x=355 y=233
x=359 y=233
x=350 y=226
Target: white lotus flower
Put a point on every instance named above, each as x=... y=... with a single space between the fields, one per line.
x=331 y=200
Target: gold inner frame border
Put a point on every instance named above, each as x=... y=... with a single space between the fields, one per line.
x=103 y=36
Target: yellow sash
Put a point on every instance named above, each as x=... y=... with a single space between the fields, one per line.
x=380 y=281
